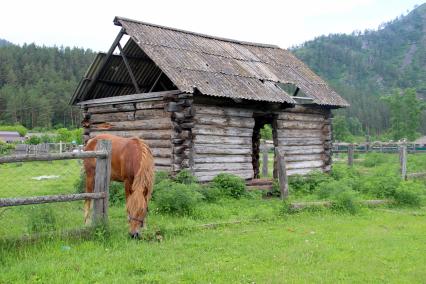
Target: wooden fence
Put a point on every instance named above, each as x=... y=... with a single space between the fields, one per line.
x=403 y=150
x=382 y=147
x=102 y=178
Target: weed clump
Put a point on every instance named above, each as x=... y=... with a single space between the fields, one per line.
x=41 y=219
x=185 y=177
x=230 y=185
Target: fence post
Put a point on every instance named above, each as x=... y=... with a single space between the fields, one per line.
x=264 y=160
x=102 y=178
x=282 y=173
x=403 y=160
x=351 y=155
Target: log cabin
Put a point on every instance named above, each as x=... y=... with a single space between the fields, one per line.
x=200 y=101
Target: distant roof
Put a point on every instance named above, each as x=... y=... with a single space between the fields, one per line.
x=421 y=140
x=213 y=66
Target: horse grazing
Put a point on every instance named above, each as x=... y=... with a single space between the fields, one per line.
x=131 y=163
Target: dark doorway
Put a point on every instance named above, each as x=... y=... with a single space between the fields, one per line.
x=260 y=120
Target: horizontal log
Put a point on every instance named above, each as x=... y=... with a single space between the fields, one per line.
x=154 y=96
x=220 y=149
x=147 y=124
x=111 y=108
x=144 y=134
x=53 y=156
x=112 y=117
x=223 y=131
x=304 y=164
x=299 y=133
x=222 y=167
x=162 y=162
x=243 y=122
x=416 y=175
x=158 y=143
x=161 y=152
x=209 y=175
x=149 y=114
x=307 y=157
x=302 y=171
x=151 y=105
x=222 y=111
x=295 y=141
x=4 y=202
x=305 y=109
x=214 y=139
x=304 y=125
x=199 y=159
x=289 y=116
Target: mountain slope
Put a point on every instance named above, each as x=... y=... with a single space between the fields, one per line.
x=4 y=42
x=364 y=66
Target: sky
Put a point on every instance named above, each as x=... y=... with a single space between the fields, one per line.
x=88 y=24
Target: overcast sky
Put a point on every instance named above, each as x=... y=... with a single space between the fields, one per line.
x=88 y=24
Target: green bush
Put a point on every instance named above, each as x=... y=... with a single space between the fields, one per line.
x=230 y=185
x=176 y=198
x=80 y=183
x=117 y=195
x=210 y=193
x=307 y=184
x=333 y=188
x=160 y=176
x=185 y=177
x=41 y=219
x=345 y=201
x=382 y=185
x=374 y=159
x=404 y=197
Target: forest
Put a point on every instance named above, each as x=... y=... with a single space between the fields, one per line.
x=367 y=68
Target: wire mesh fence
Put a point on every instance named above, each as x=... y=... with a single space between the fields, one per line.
x=40 y=178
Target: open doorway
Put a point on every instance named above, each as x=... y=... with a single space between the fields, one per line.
x=265 y=125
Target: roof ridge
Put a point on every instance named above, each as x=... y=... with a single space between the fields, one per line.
x=117 y=22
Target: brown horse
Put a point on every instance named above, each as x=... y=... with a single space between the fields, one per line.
x=131 y=163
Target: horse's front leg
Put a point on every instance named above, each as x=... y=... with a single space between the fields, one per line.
x=90 y=184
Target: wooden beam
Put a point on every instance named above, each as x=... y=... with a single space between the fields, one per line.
x=4 y=202
x=282 y=173
x=104 y=63
x=52 y=157
x=156 y=81
x=129 y=70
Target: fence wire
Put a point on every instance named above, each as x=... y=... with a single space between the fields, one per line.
x=26 y=179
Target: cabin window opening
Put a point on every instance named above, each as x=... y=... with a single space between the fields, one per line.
x=263 y=136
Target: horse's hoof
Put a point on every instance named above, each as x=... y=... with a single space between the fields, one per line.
x=134 y=236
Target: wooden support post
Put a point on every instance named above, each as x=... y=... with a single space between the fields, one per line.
x=403 y=160
x=351 y=155
x=129 y=70
x=102 y=178
x=264 y=160
x=282 y=173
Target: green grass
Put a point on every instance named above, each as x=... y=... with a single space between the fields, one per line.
x=251 y=240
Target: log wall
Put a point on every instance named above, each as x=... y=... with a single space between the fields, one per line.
x=222 y=139
x=148 y=120
x=304 y=135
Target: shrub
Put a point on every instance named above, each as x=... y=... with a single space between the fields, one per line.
x=210 y=193
x=404 y=197
x=80 y=183
x=374 y=159
x=381 y=185
x=117 y=194
x=176 y=198
x=332 y=188
x=345 y=201
x=230 y=185
x=41 y=219
x=307 y=184
x=160 y=176
x=185 y=177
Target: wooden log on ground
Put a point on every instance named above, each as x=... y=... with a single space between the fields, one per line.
x=416 y=175
x=4 y=202
x=52 y=157
x=302 y=205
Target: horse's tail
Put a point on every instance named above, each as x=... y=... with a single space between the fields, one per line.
x=144 y=178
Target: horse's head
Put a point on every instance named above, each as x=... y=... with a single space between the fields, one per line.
x=135 y=223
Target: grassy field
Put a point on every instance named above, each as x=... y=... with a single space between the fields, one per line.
x=249 y=240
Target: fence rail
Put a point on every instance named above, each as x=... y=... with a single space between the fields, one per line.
x=383 y=147
x=102 y=177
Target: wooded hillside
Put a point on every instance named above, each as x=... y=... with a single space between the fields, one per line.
x=365 y=65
